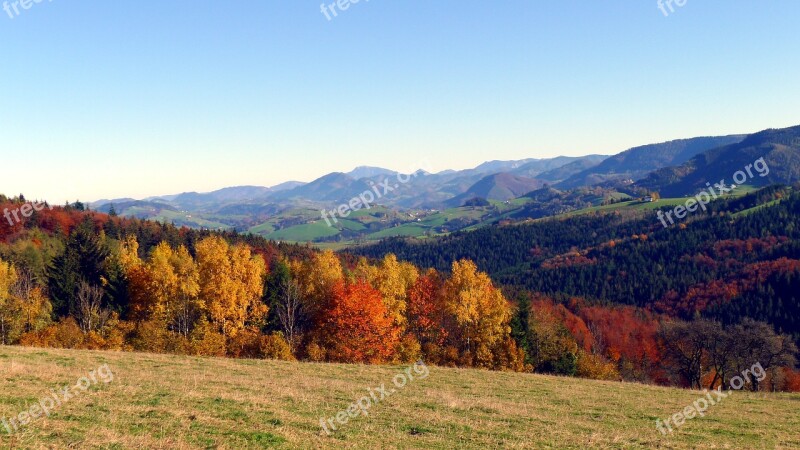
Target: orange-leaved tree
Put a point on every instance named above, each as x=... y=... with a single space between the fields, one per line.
x=355 y=326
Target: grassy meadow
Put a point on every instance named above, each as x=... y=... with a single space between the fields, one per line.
x=176 y=402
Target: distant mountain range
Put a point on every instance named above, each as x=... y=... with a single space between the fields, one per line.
x=779 y=148
x=500 y=186
x=637 y=162
x=673 y=169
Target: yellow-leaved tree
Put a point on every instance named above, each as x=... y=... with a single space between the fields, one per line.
x=231 y=284
x=9 y=309
x=480 y=312
x=188 y=306
x=394 y=280
x=23 y=306
x=316 y=278
x=165 y=288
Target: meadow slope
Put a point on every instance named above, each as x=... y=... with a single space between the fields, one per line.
x=175 y=402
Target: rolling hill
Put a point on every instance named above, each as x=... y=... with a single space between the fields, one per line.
x=680 y=166
x=501 y=186
x=573 y=168
x=779 y=148
x=166 y=401
x=639 y=161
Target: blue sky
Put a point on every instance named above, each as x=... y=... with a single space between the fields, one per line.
x=118 y=99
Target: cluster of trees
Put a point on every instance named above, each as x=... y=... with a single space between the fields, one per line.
x=79 y=279
x=103 y=282
x=575 y=338
x=23 y=305
x=704 y=354
x=457 y=320
x=629 y=258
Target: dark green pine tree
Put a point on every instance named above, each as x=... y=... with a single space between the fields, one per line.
x=63 y=281
x=83 y=259
x=520 y=329
x=274 y=288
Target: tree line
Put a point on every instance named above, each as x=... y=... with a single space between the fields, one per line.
x=79 y=279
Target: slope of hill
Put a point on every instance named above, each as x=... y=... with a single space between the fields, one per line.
x=575 y=257
x=287 y=185
x=137 y=208
x=370 y=172
x=502 y=166
x=574 y=167
x=780 y=150
x=637 y=162
x=500 y=186
x=333 y=187
x=164 y=401
x=532 y=169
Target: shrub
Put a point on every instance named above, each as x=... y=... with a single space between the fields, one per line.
x=408 y=350
x=205 y=341
x=149 y=336
x=596 y=367
x=246 y=344
x=316 y=352
x=274 y=346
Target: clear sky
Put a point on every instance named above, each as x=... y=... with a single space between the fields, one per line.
x=131 y=99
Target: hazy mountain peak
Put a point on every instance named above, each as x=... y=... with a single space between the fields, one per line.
x=370 y=172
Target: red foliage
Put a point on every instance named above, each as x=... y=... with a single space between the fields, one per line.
x=626 y=332
x=737 y=248
x=356 y=327
x=574 y=324
x=426 y=310
x=702 y=296
x=792 y=379
x=568 y=260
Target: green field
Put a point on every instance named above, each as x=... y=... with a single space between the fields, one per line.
x=415 y=223
x=379 y=222
x=176 y=402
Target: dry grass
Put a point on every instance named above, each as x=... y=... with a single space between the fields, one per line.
x=171 y=402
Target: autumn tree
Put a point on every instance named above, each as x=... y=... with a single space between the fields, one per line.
x=316 y=278
x=231 y=284
x=356 y=327
x=137 y=276
x=480 y=313
x=187 y=307
x=427 y=316
x=553 y=348
x=393 y=279
x=89 y=311
x=9 y=310
x=35 y=307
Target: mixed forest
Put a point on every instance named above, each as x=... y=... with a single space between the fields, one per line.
x=610 y=296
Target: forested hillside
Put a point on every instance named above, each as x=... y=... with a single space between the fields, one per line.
x=602 y=304
x=738 y=261
x=79 y=279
